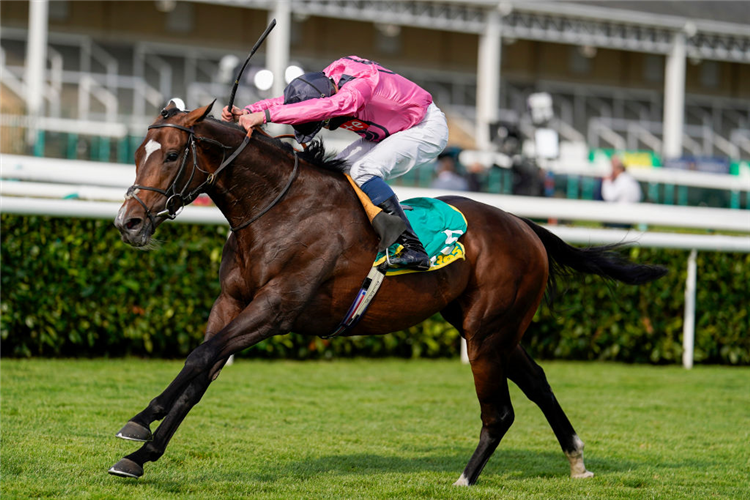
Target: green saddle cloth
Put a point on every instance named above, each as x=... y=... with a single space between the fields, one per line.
x=438 y=226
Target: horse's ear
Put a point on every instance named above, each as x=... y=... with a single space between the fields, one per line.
x=199 y=114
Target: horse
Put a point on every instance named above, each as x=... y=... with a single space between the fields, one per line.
x=300 y=247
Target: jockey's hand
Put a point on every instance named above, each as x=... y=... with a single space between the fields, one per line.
x=251 y=120
x=231 y=117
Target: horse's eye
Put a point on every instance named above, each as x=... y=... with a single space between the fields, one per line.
x=172 y=156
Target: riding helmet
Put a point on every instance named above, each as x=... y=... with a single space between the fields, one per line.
x=308 y=86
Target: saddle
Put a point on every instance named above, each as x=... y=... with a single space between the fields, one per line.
x=438 y=226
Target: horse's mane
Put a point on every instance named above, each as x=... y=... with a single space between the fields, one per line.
x=315 y=154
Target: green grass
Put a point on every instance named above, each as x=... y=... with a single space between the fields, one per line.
x=373 y=429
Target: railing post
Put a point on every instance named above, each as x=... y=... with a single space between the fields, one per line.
x=488 y=76
x=674 y=97
x=688 y=329
x=36 y=58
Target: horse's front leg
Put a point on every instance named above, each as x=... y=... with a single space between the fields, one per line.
x=224 y=310
x=262 y=319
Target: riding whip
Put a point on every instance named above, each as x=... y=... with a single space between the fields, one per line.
x=239 y=75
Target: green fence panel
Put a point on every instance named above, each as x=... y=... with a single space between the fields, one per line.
x=507 y=181
x=587 y=188
x=573 y=185
x=123 y=150
x=669 y=194
x=103 y=150
x=653 y=192
x=734 y=199
x=682 y=195
x=72 y=147
x=494 y=180
x=40 y=143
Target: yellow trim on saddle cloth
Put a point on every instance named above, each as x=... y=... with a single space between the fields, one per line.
x=458 y=253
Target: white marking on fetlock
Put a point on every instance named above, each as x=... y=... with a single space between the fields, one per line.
x=151 y=146
x=462 y=481
x=577 y=468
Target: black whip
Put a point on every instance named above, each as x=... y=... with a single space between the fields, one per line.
x=239 y=75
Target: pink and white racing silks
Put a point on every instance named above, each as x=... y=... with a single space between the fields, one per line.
x=379 y=101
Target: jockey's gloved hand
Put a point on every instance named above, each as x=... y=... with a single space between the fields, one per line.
x=232 y=116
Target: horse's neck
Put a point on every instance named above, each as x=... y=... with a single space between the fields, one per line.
x=256 y=177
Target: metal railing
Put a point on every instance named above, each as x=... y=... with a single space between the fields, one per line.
x=118 y=176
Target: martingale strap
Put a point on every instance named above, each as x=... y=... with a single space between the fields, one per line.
x=276 y=200
x=367 y=291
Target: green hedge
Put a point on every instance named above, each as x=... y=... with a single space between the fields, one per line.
x=71 y=288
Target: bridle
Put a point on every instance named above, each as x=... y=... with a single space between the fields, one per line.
x=177 y=198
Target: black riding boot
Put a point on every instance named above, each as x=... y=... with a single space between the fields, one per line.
x=413 y=256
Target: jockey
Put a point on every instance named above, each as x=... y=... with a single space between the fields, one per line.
x=400 y=128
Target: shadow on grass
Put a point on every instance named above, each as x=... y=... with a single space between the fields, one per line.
x=511 y=464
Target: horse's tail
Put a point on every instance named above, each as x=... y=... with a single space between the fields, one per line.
x=603 y=261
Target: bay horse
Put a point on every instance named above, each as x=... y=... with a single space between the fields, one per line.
x=299 y=264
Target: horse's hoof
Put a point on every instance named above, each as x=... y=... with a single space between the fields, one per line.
x=583 y=475
x=126 y=468
x=135 y=432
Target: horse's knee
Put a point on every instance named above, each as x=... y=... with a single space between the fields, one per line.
x=496 y=423
x=200 y=359
x=539 y=391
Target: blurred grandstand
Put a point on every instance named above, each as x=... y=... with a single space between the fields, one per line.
x=663 y=83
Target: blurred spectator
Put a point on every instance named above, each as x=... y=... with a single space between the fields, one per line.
x=476 y=176
x=620 y=186
x=528 y=178
x=447 y=174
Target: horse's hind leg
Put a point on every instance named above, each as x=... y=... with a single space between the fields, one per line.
x=529 y=376
x=489 y=369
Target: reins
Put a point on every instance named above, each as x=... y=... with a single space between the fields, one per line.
x=177 y=199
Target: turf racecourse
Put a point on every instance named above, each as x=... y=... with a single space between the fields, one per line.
x=373 y=429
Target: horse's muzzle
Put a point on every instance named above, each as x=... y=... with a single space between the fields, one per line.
x=135 y=231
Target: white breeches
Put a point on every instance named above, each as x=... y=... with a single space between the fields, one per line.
x=397 y=154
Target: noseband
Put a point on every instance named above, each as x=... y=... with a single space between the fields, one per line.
x=178 y=198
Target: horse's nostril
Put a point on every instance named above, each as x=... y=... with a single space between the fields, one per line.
x=133 y=223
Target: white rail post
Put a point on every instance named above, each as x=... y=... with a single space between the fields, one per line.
x=488 y=77
x=36 y=64
x=674 y=97
x=688 y=329
x=277 y=54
